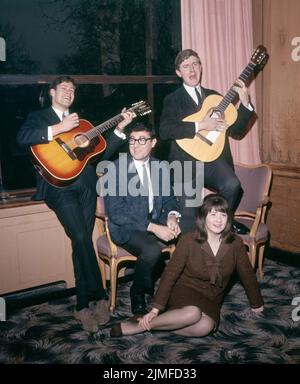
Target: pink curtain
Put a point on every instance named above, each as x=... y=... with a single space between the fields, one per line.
x=221 y=32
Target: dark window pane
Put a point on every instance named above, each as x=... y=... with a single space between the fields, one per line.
x=160 y=91
x=96 y=103
x=82 y=37
x=16 y=103
x=88 y=36
x=167 y=36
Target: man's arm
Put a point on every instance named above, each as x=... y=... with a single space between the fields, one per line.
x=33 y=131
x=117 y=138
x=245 y=110
x=240 y=127
x=171 y=124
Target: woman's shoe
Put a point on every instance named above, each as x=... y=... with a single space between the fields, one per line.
x=116 y=330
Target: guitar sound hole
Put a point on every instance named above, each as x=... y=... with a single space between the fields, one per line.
x=81 y=141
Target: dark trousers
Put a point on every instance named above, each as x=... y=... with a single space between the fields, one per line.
x=220 y=177
x=147 y=248
x=75 y=207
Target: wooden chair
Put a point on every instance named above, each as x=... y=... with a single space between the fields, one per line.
x=112 y=255
x=253 y=207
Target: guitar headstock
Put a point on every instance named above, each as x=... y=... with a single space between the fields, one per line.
x=140 y=108
x=260 y=56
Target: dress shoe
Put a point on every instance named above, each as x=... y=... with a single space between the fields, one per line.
x=101 y=312
x=116 y=330
x=240 y=228
x=86 y=317
x=138 y=302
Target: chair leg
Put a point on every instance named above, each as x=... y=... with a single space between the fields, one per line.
x=252 y=253
x=102 y=271
x=260 y=260
x=113 y=283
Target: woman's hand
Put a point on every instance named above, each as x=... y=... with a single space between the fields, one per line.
x=144 y=322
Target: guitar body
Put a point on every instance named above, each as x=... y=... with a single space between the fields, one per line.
x=197 y=147
x=63 y=159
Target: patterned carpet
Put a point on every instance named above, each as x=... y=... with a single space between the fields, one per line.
x=48 y=333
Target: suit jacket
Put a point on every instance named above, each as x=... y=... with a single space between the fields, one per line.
x=177 y=106
x=35 y=131
x=127 y=213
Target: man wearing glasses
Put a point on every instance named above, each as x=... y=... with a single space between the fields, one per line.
x=146 y=217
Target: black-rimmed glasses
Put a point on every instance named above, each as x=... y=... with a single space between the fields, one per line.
x=140 y=140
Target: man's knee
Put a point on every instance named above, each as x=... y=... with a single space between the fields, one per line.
x=150 y=254
x=232 y=186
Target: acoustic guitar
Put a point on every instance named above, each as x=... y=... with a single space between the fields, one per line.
x=207 y=146
x=63 y=159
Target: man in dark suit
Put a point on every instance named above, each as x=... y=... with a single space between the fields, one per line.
x=75 y=204
x=143 y=212
x=218 y=174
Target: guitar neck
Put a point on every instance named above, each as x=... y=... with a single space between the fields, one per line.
x=99 y=129
x=231 y=94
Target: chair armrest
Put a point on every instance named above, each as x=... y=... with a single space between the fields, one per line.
x=100 y=215
x=264 y=202
x=257 y=221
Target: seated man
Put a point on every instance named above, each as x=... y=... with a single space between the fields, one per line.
x=142 y=218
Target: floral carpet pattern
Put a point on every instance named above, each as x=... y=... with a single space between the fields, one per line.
x=48 y=333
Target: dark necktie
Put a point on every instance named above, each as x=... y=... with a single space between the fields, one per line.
x=198 y=97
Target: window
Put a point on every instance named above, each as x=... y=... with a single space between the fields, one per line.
x=118 y=51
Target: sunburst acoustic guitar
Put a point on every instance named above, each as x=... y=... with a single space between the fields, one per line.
x=63 y=159
x=207 y=146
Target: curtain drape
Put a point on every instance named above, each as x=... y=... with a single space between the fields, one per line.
x=221 y=32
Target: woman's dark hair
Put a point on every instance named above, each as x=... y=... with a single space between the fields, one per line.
x=220 y=205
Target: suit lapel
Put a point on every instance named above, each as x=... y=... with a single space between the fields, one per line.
x=50 y=116
x=142 y=201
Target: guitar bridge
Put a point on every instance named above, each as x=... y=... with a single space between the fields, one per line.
x=66 y=148
x=203 y=138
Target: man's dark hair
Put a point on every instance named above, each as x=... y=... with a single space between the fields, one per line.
x=138 y=127
x=183 y=55
x=62 y=79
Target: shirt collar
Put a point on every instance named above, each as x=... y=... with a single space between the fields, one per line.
x=60 y=113
x=191 y=90
x=139 y=163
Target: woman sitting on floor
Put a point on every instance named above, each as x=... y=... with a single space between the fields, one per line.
x=192 y=287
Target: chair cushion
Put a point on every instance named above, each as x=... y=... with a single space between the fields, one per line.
x=262 y=231
x=103 y=247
